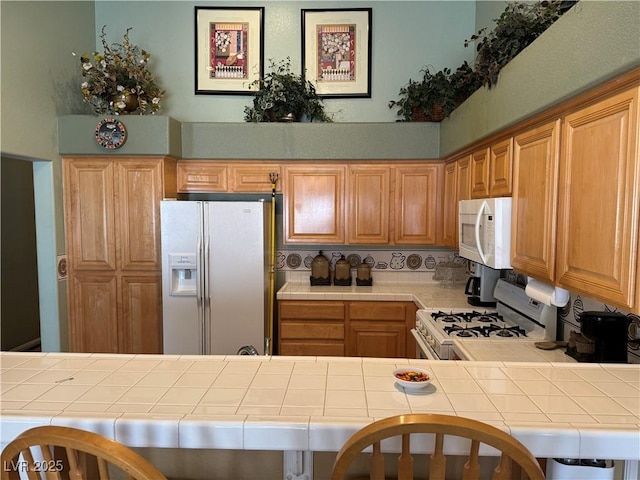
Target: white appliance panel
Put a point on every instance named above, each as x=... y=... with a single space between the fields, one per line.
x=220 y=305
x=484 y=228
x=181 y=237
x=237 y=273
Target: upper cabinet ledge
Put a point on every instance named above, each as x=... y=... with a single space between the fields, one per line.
x=311 y=141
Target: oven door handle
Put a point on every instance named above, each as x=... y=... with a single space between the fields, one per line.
x=424 y=348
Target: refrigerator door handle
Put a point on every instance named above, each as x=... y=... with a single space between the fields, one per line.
x=199 y=292
x=206 y=344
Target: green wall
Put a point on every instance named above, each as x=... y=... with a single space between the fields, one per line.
x=39 y=82
x=591 y=43
x=407 y=35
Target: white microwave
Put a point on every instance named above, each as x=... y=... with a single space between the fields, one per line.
x=484 y=231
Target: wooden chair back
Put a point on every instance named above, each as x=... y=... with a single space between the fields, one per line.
x=404 y=426
x=65 y=453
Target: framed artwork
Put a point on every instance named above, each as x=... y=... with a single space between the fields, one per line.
x=336 y=51
x=229 y=46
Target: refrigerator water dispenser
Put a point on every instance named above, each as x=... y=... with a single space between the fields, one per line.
x=183 y=270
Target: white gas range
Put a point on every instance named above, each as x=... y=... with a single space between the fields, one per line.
x=515 y=318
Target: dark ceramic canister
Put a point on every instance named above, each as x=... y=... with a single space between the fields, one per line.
x=342 y=274
x=363 y=275
x=320 y=270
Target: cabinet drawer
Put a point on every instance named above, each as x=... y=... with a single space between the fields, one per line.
x=322 y=310
x=393 y=311
x=315 y=330
x=312 y=349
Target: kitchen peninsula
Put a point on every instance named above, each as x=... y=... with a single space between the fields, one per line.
x=313 y=404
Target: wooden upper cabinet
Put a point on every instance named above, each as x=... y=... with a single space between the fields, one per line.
x=417 y=208
x=450 y=205
x=500 y=169
x=220 y=176
x=91 y=243
x=368 y=200
x=491 y=170
x=534 y=210
x=479 y=169
x=201 y=176
x=253 y=177
x=463 y=178
x=314 y=209
x=599 y=200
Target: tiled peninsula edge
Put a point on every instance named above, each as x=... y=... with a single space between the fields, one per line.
x=313 y=404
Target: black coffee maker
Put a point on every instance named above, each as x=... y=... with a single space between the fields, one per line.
x=609 y=333
x=481 y=284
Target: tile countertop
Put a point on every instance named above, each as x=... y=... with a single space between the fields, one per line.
x=508 y=351
x=315 y=403
x=424 y=294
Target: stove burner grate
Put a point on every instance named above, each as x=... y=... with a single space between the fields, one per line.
x=458 y=331
x=448 y=317
x=504 y=331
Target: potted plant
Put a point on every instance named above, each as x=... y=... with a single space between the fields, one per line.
x=430 y=99
x=119 y=80
x=285 y=97
x=465 y=80
x=518 y=26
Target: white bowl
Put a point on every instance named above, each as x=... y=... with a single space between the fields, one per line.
x=412 y=384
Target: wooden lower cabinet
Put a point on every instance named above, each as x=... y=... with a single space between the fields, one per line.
x=311 y=328
x=337 y=328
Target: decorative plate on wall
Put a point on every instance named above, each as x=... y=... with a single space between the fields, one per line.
x=414 y=261
x=294 y=260
x=111 y=133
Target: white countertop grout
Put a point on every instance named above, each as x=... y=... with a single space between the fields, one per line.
x=315 y=403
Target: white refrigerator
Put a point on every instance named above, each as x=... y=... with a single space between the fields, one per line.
x=215 y=276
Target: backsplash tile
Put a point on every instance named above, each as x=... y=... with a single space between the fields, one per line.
x=380 y=260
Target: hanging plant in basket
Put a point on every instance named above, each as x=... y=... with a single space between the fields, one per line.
x=285 y=97
x=118 y=80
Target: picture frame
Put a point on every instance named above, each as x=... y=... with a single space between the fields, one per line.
x=229 y=50
x=330 y=35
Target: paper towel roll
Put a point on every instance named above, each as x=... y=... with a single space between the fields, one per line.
x=547 y=294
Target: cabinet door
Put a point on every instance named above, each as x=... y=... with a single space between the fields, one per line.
x=534 y=211
x=89 y=208
x=377 y=339
x=140 y=190
x=417 y=211
x=599 y=200
x=368 y=200
x=253 y=177
x=464 y=178
x=141 y=314
x=314 y=204
x=93 y=325
x=201 y=176
x=450 y=206
x=377 y=329
x=500 y=169
x=480 y=173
